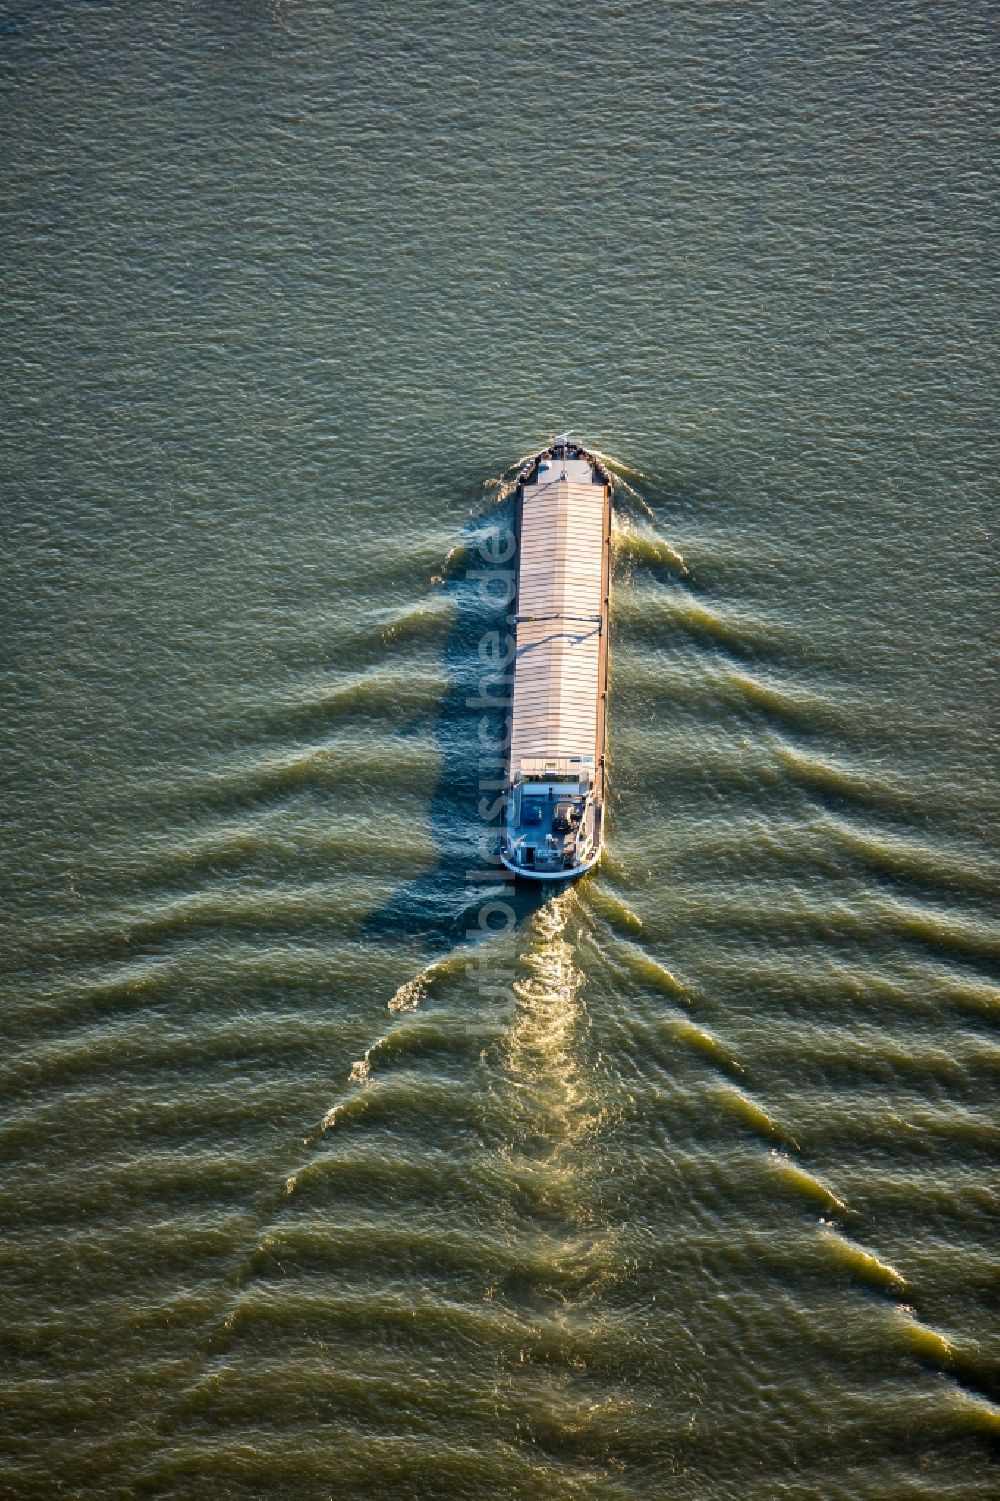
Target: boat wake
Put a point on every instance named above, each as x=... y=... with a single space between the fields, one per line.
x=652 y=545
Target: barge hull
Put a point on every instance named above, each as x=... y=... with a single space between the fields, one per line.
x=558 y=729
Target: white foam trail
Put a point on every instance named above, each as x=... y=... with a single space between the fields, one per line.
x=607 y=458
x=410 y=994
x=618 y=471
x=407 y=997
x=453 y=552
x=360 y=1077
x=542 y=1046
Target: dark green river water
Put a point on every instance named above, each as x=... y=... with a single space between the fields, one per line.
x=681 y=1184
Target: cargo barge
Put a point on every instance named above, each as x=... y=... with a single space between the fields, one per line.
x=553 y=819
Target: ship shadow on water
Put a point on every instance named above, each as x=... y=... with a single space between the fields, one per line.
x=441 y=907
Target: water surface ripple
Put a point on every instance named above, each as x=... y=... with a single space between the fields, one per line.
x=701 y=1202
